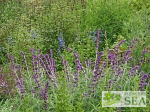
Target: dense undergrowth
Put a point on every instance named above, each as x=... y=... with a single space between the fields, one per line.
x=53 y=58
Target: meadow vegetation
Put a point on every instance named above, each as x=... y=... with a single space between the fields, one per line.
x=59 y=55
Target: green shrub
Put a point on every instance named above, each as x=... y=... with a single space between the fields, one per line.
x=109 y=15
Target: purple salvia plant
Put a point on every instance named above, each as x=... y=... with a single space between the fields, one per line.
x=12 y=61
x=143 y=55
x=48 y=59
x=97 y=40
x=44 y=93
x=97 y=72
x=49 y=67
x=113 y=60
x=78 y=63
x=132 y=43
x=132 y=71
x=114 y=63
x=119 y=44
x=104 y=64
x=78 y=68
x=54 y=65
x=33 y=60
x=65 y=65
x=97 y=62
x=85 y=94
x=89 y=64
x=25 y=61
x=7 y=89
x=19 y=80
x=26 y=65
x=51 y=78
x=51 y=54
x=44 y=66
x=125 y=58
x=110 y=82
x=110 y=57
x=37 y=81
x=142 y=81
x=48 y=63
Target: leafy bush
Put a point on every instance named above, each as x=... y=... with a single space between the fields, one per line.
x=109 y=15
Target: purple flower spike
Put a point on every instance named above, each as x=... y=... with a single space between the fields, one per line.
x=38 y=82
x=98 y=40
x=144 y=76
x=133 y=42
x=143 y=82
x=25 y=60
x=143 y=55
x=97 y=62
x=132 y=71
x=85 y=94
x=44 y=92
x=12 y=61
x=104 y=64
x=126 y=57
x=119 y=44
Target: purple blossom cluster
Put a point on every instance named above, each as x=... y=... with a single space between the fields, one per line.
x=43 y=91
x=119 y=44
x=143 y=55
x=126 y=56
x=116 y=63
x=133 y=43
x=19 y=80
x=97 y=40
x=143 y=82
x=39 y=61
x=79 y=66
x=133 y=70
x=97 y=62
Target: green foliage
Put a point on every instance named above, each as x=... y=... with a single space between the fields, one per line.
x=23 y=41
x=79 y=104
x=63 y=103
x=109 y=15
x=84 y=47
x=27 y=102
x=137 y=26
x=140 y=4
